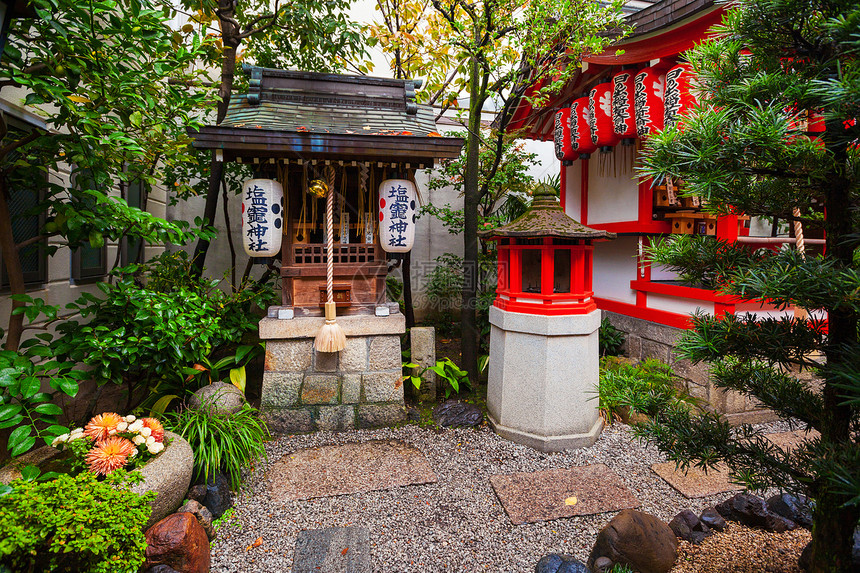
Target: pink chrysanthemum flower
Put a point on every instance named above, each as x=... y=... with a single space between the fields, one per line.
x=101 y=425
x=156 y=427
x=109 y=455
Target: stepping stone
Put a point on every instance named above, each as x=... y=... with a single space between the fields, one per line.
x=346 y=469
x=332 y=550
x=549 y=494
x=787 y=441
x=695 y=482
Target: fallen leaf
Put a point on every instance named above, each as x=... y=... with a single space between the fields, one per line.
x=570 y=501
x=399 y=382
x=345 y=549
x=302 y=129
x=434 y=134
x=405 y=133
x=257 y=543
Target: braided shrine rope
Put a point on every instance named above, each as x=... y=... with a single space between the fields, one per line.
x=330 y=338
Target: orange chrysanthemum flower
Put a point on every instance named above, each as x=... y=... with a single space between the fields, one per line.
x=156 y=427
x=109 y=455
x=101 y=425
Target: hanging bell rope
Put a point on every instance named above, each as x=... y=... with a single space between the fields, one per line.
x=799 y=313
x=330 y=338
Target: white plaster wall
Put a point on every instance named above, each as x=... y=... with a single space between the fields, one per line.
x=678 y=305
x=614 y=268
x=613 y=191
x=573 y=190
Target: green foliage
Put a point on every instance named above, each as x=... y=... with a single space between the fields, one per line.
x=221 y=443
x=451 y=374
x=74 y=524
x=624 y=386
x=610 y=339
x=745 y=149
x=23 y=405
x=147 y=336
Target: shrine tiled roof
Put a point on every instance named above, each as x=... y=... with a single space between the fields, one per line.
x=545 y=218
x=307 y=102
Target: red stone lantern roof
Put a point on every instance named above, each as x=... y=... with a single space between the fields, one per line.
x=545 y=218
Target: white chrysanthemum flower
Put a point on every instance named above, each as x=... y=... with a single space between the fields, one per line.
x=135 y=426
x=146 y=432
x=122 y=427
x=129 y=419
x=155 y=447
x=133 y=453
x=150 y=440
x=60 y=440
x=138 y=439
x=76 y=432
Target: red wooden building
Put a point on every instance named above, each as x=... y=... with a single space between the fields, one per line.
x=631 y=94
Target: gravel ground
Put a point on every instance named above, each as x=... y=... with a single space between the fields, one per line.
x=456 y=524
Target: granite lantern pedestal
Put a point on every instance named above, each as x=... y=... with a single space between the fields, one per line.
x=544 y=353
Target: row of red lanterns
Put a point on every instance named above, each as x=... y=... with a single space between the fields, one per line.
x=633 y=104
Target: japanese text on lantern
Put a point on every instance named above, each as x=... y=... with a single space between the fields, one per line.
x=620 y=108
x=256 y=218
x=673 y=95
x=397 y=209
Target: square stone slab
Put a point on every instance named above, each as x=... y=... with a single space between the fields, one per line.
x=541 y=496
x=350 y=468
x=787 y=441
x=696 y=483
x=332 y=550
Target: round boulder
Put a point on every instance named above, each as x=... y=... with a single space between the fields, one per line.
x=638 y=540
x=168 y=474
x=179 y=542
x=556 y=563
x=219 y=399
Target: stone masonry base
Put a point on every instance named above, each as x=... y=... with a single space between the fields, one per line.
x=305 y=390
x=647 y=339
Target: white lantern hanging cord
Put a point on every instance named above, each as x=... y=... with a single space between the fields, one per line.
x=330 y=338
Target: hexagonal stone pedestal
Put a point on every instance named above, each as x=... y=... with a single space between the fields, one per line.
x=543 y=379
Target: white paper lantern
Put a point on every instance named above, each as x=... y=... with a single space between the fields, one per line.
x=262 y=217
x=398 y=201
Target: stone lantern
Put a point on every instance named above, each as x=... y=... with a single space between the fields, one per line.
x=543 y=341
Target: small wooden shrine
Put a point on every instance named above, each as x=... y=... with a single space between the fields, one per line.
x=304 y=132
x=543 y=334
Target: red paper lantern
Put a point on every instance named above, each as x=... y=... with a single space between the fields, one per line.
x=600 y=103
x=623 y=116
x=648 y=101
x=679 y=97
x=563 y=149
x=580 y=132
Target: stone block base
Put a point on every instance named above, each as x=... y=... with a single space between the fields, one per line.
x=549 y=443
x=542 y=383
x=305 y=390
x=647 y=339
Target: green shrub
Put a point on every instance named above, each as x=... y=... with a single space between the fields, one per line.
x=75 y=524
x=610 y=339
x=221 y=443
x=624 y=386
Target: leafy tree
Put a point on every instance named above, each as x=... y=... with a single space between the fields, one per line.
x=745 y=148
x=308 y=34
x=98 y=73
x=507 y=48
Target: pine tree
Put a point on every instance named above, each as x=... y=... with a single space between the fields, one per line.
x=748 y=147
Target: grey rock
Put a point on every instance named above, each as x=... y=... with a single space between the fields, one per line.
x=197 y=492
x=372 y=415
x=333 y=550
x=218 y=499
x=37 y=457
x=168 y=474
x=162 y=569
x=712 y=519
x=203 y=515
x=289 y=420
x=752 y=511
x=219 y=399
x=456 y=413
x=556 y=563
x=687 y=526
x=796 y=508
x=602 y=565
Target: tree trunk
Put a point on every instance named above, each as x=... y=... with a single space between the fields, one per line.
x=13 y=269
x=469 y=328
x=408 y=310
x=833 y=524
x=230 y=40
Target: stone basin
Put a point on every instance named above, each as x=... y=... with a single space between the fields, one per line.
x=168 y=474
